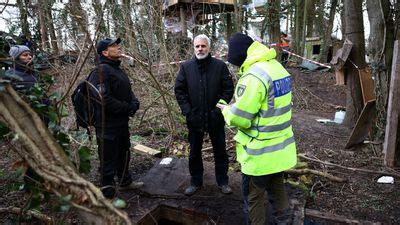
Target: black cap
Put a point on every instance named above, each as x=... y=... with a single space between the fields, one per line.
x=103 y=44
x=237 y=48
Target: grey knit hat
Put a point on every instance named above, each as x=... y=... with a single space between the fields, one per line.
x=17 y=50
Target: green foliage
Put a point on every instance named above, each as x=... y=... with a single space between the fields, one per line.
x=84 y=159
x=119 y=203
x=64 y=203
x=16 y=178
x=4 y=131
x=136 y=138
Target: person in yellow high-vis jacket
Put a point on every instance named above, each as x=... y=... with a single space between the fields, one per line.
x=262 y=113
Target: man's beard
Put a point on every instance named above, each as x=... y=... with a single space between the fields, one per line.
x=201 y=56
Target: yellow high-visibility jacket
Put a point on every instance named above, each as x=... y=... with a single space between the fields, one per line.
x=262 y=113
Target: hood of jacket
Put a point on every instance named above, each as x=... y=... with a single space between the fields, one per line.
x=257 y=52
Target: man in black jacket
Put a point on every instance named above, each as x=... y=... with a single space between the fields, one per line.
x=200 y=83
x=115 y=104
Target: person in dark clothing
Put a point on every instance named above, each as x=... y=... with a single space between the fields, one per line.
x=22 y=78
x=115 y=104
x=200 y=84
x=21 y=73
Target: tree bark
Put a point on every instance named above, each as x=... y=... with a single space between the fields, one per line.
x=381 y=42
x=24 y=19
x=44 y=155
x=238 y=15
x=356 y=60
x=274 y=15
x=327 y=40
x=79 y=21
x=297 y=38
x=98 y=10
x=50 y=24
x=44 y=35
x=229 y=30
x=310 y=17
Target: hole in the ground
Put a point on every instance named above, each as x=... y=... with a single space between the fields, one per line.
x=168 y=215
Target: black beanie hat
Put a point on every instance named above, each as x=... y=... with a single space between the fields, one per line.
x=238 y=45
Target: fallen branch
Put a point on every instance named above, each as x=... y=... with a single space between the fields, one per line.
x=46 y=157
x=46 y=219
x=336 y=218
x=394 y=174
x=315 y=172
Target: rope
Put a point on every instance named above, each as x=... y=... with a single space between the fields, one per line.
x=315 y=62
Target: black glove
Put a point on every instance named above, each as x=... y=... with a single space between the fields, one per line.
x=133 y=107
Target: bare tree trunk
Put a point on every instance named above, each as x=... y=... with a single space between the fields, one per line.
x=297 y=37
x=274 y=15
x=304 y=30
x=129 y=35
x=98 y=10
x=79 y=21
x=355 y=33
x=44 y=35
x=238 y=15
x=381 y=54
x=327 y=40
x=50 y=24
x=43 y=154
x=23 y=15
x=157 y=18
x=229 y=31
x=183 y=21
x=310 y=17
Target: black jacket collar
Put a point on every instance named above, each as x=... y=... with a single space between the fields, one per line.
x=105 y=60
x=204 y=61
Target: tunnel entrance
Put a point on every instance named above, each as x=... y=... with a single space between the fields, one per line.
x=169 y=215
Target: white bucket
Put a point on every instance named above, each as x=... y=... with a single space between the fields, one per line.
x=339 y=116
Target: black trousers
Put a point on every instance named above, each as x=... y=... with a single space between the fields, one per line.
x=196 y=169
x=114 y=155
x=284 y=58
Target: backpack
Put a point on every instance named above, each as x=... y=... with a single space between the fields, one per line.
x=83 y=104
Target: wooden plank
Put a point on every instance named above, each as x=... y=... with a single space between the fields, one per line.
x=141 y=149
x=367 y=85
x=340 y=57
x=360 y=130
x=336 y=218
x=392 y=122
x=228 y=2
x=340 y=78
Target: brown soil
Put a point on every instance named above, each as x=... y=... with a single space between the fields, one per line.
x=361 y=197
x=315 y=96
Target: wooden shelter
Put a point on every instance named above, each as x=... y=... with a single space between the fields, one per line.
x=198 y=11
x=207 y=6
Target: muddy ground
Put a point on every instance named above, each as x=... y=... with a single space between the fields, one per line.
x=316 y=96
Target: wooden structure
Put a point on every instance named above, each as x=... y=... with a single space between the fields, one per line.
x=392 y=122
x=198 y=11
x=364 y=122
x=207 y=6
x=312 y=48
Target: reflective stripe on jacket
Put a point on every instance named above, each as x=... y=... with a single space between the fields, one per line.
x=262 y=112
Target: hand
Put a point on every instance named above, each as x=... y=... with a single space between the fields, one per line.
x=221 y=106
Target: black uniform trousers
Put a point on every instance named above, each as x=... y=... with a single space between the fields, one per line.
x=217 y=136
x=114 y=155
